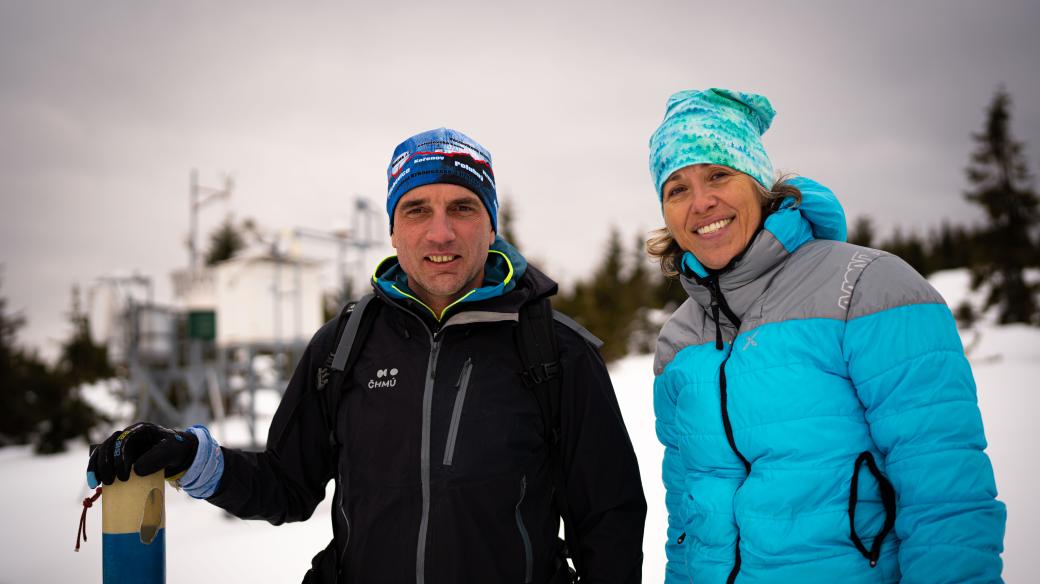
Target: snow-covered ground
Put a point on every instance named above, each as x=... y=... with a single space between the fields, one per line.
x=40 y=496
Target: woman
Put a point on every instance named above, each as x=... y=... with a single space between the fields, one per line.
x=818 y=415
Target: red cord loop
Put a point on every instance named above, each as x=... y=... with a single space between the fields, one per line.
x=87 y=504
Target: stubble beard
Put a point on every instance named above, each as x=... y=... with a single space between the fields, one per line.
x=448 y=292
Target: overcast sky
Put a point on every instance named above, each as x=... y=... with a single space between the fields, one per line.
x=106 y=106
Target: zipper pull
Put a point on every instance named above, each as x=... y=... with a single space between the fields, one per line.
x=435 y=348
x=681 y=539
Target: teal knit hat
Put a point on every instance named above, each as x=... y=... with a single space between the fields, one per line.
x=713 y=126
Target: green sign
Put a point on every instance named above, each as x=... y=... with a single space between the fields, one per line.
x=202 y=324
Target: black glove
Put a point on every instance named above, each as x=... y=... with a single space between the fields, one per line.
x=145 y=448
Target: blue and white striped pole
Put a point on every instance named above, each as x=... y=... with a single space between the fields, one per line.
x=133 y=530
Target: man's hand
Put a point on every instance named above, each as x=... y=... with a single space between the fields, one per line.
x=145 y=448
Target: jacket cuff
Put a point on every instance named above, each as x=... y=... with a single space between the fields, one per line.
x=203 y=476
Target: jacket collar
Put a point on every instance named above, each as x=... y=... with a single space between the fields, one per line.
x=819 y=216
x=505 y=271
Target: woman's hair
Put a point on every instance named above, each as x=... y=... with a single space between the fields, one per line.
x=662 y=247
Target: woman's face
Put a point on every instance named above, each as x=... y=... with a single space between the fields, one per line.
x=712 y=211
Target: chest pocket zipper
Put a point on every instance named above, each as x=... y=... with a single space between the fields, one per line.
x=456 y=413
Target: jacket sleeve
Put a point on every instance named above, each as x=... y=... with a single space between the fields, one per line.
x=673 y=474
x=601 y=473
x=287 y=480
x=908 y=366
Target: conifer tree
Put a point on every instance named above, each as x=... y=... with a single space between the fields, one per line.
x=639 y=280
x=609 y=310
x=911 y=248
x=862 y=232
x=225 y=241
x=640 y=287
x=40 y=403
x=82 y=360
x=62 y=412
x=1006 y=245
x=602 y=303
x=16 y=392
x=507 y=222
x=951 y=246
x=668 y=293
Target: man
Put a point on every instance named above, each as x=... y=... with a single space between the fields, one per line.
x=447 y=467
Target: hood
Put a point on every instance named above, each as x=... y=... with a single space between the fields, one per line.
x=503 y=271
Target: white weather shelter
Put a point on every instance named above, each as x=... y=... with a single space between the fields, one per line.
x=262 y=299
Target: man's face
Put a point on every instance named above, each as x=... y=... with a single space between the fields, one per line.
x=442 y=234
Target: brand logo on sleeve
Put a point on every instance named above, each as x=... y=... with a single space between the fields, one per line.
x=857 y=264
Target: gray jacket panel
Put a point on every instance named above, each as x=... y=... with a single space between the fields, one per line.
x=822 y=279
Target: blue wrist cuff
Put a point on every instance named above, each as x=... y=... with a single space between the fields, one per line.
x=203 y=476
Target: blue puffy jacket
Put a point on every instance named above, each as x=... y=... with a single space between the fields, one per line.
x=819 y=418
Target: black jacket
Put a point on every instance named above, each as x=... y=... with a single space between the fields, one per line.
x=444 y=475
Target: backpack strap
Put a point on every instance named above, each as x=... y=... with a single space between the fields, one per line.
x=542 y=374
x=355 y=321
x=355 y=312
x=574 y=326
x=540 y=355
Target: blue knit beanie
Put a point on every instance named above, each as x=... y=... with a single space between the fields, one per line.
x=441 y=156
x=712 y=126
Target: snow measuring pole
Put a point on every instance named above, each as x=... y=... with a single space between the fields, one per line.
x=133 y=530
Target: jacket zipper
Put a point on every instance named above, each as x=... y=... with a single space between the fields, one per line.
x=725 y=416
x=424 y=464
x=456 y=415
x=718 y=301
x=524 y=536
x=424 y=475
x=424 y=460
x=733 y=445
